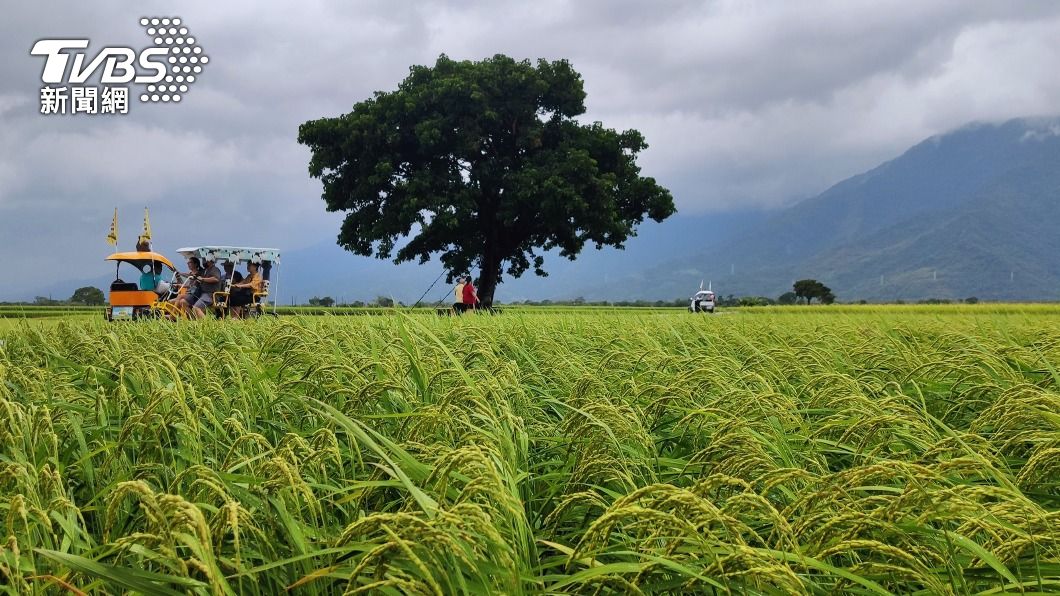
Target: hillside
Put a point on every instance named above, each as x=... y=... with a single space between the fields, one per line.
x=970 y=213
x=974 y=212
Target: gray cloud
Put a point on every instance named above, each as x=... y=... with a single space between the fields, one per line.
x=744 y=104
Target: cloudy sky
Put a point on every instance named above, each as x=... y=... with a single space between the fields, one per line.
x=746 y=104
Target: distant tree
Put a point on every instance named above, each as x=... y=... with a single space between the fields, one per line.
x=45 y=301
x=383 y=301
x=971 y=300
x=89 y=296
x=755 y=301
x=808 y=289
x=787 y=298
x=805 y=289
x=729 y=300
x=490 y=165
x=327 y=301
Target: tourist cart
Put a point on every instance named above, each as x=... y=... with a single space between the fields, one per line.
x=132 y=300
x=267 y=260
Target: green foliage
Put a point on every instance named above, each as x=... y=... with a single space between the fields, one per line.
x=487 y=163
x=755 y=301
x=787 y=298
x=88 y=296
x=853 y=450
x=808 y=289
x=326 y=301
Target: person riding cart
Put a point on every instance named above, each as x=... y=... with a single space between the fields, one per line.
x=130 y=300
x=247 y=298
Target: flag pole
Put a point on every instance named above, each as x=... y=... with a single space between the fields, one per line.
x=112 y=237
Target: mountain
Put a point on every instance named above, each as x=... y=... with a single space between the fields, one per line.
x=974 y=212
x=324 y=269
x=970 y=213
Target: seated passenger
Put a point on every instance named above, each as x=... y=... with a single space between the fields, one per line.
x=229 y=273
x=161 y=286
x=209 y=282
x=151 y=277
x=185 y=301
x=243 y=291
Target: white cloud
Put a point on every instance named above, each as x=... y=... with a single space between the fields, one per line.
x=133 y=162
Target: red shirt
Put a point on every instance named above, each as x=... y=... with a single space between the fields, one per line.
x=469 y=294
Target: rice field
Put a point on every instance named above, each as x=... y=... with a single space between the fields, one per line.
x=866 y=450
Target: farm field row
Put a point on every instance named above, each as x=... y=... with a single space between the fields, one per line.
x=841 y=449
x=32 y=311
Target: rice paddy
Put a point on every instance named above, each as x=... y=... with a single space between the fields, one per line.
x=872 y=450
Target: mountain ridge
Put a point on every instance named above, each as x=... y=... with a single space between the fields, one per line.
x=970 y=212
x=909 y=219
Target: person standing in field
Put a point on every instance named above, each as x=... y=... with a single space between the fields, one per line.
x=458 y=303
x=470 y=295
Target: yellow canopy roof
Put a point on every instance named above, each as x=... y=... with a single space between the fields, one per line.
x=140 y=258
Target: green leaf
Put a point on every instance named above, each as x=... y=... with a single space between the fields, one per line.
x=147 y=582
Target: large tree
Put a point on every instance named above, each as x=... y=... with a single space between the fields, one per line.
x=89 y=296
x=809 y=289
x=484 y=164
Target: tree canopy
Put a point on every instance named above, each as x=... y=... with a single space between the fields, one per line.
x=88 y=295
x=484 y=164
x=808 y=289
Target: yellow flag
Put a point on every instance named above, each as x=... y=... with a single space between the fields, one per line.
x=146 y=236
x=112 y=237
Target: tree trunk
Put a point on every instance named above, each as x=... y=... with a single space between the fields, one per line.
x=490 y=265
x=489 y=276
